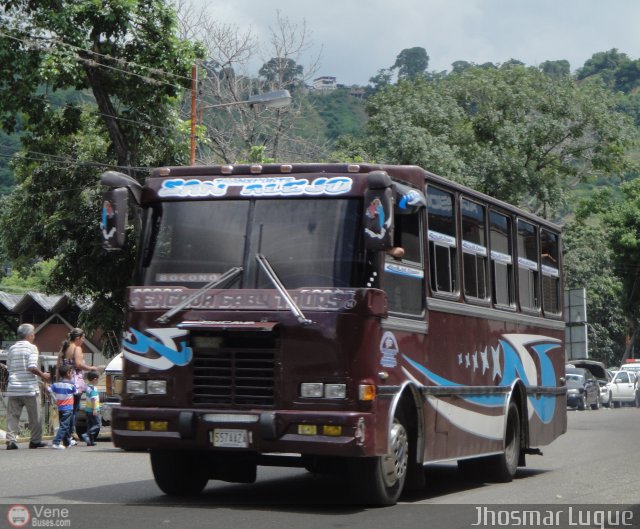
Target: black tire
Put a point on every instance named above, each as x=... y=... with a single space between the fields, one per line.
x=499 y=468
x=178 y=473
x=380 y=480
x=617 y=404
x=506 y=464
x=608 y=404
x=582 y=403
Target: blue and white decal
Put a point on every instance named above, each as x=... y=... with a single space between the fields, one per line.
x=106 y=219
x=168 y=347
x=398 y=269
x=389 y=350
x=256 y=187
x=508 y=361
x=411 y=198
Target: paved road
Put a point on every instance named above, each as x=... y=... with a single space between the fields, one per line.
x=597 y=464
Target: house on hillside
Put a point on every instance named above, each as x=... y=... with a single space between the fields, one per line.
x=325 y=84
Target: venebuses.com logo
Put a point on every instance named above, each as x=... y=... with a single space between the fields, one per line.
x=38 y=516
x=18 y=516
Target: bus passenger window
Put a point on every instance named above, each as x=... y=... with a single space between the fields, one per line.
x=403 y=271
x=528 y=265
x=474 y=249
x=501 y=259
x=550 y=269
x=442 y=241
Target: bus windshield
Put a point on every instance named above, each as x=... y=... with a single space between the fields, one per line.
x=308 y=242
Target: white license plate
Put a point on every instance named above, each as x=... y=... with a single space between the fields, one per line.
x=230 y=438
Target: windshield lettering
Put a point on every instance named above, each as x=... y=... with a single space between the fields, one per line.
x=256 y=187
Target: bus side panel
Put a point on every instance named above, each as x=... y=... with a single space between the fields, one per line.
x=468 y=370
x=547 y=411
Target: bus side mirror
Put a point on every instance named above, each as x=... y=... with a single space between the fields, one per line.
x=113 y=221
x=378 y=212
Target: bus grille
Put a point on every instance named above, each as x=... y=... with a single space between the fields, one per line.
x=234 y=368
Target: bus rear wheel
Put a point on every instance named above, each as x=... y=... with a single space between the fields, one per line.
x=178 y=473
x=507 y=462
x=499 y=468
x=380 y=480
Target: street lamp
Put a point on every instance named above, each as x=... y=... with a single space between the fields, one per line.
x=275 y=99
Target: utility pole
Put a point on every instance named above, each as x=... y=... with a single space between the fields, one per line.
x=194 y=90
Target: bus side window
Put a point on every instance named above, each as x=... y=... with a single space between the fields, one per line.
x=403 y=276
x=501 y=259
x=549 y=249
x=474 y=249
x=528 y=274
x=443 y=258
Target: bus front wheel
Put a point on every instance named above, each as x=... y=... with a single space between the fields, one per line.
x=380 y=480
x=178 y=473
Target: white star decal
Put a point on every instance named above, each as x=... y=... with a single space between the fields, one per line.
x=495 y=353
x=485 y=360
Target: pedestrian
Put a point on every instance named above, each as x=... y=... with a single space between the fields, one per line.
x=63 y=391
x=23 y=390
x=71 y=354
x=92 y=410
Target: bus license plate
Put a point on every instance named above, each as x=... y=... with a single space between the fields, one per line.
x=230 y=438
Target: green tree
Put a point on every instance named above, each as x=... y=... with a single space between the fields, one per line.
x=129 y=72
x=460 y=66
x=556 y=69
x=603 y=64
x=514 y=132
x=379 y=81
x=281 y=71
x=588 y=264
x=627 y=76
x=411 y=63
x=621 y=221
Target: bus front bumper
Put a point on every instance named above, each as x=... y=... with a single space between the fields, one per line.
x=349 y=434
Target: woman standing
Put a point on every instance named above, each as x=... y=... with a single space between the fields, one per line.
x=71 y=354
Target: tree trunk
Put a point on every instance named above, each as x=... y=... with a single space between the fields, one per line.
x=109 y=117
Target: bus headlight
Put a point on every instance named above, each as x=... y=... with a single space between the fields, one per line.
x=335 y=391
x=157 y=387
x=136 y=387
x=311 y=389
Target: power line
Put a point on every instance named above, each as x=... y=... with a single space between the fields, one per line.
x=66 y=163
x=93 y=63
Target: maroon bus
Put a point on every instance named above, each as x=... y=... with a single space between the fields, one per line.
x=349 y=318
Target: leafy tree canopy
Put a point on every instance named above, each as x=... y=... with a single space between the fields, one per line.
x=556 y=69
x=128 y=71
x=411 y=63
x=282 y=71
x=512 y=132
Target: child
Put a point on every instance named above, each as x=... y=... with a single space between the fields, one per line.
x=92 y=410
x=63 y=391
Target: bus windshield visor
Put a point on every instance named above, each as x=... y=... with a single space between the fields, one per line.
x=308 y=242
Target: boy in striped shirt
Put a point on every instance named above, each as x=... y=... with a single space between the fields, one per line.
x=63 y=391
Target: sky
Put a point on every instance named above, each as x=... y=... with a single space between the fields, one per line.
x=357 y=38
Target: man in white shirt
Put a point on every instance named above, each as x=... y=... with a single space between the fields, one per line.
x=23 y=389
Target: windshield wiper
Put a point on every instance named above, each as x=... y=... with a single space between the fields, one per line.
x=229 y=275
x=262 y=261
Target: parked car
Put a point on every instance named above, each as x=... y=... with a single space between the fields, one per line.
x=633 y=365
x=601 y=374
x=582 y=388
x=114 y=382
x=624 y=389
